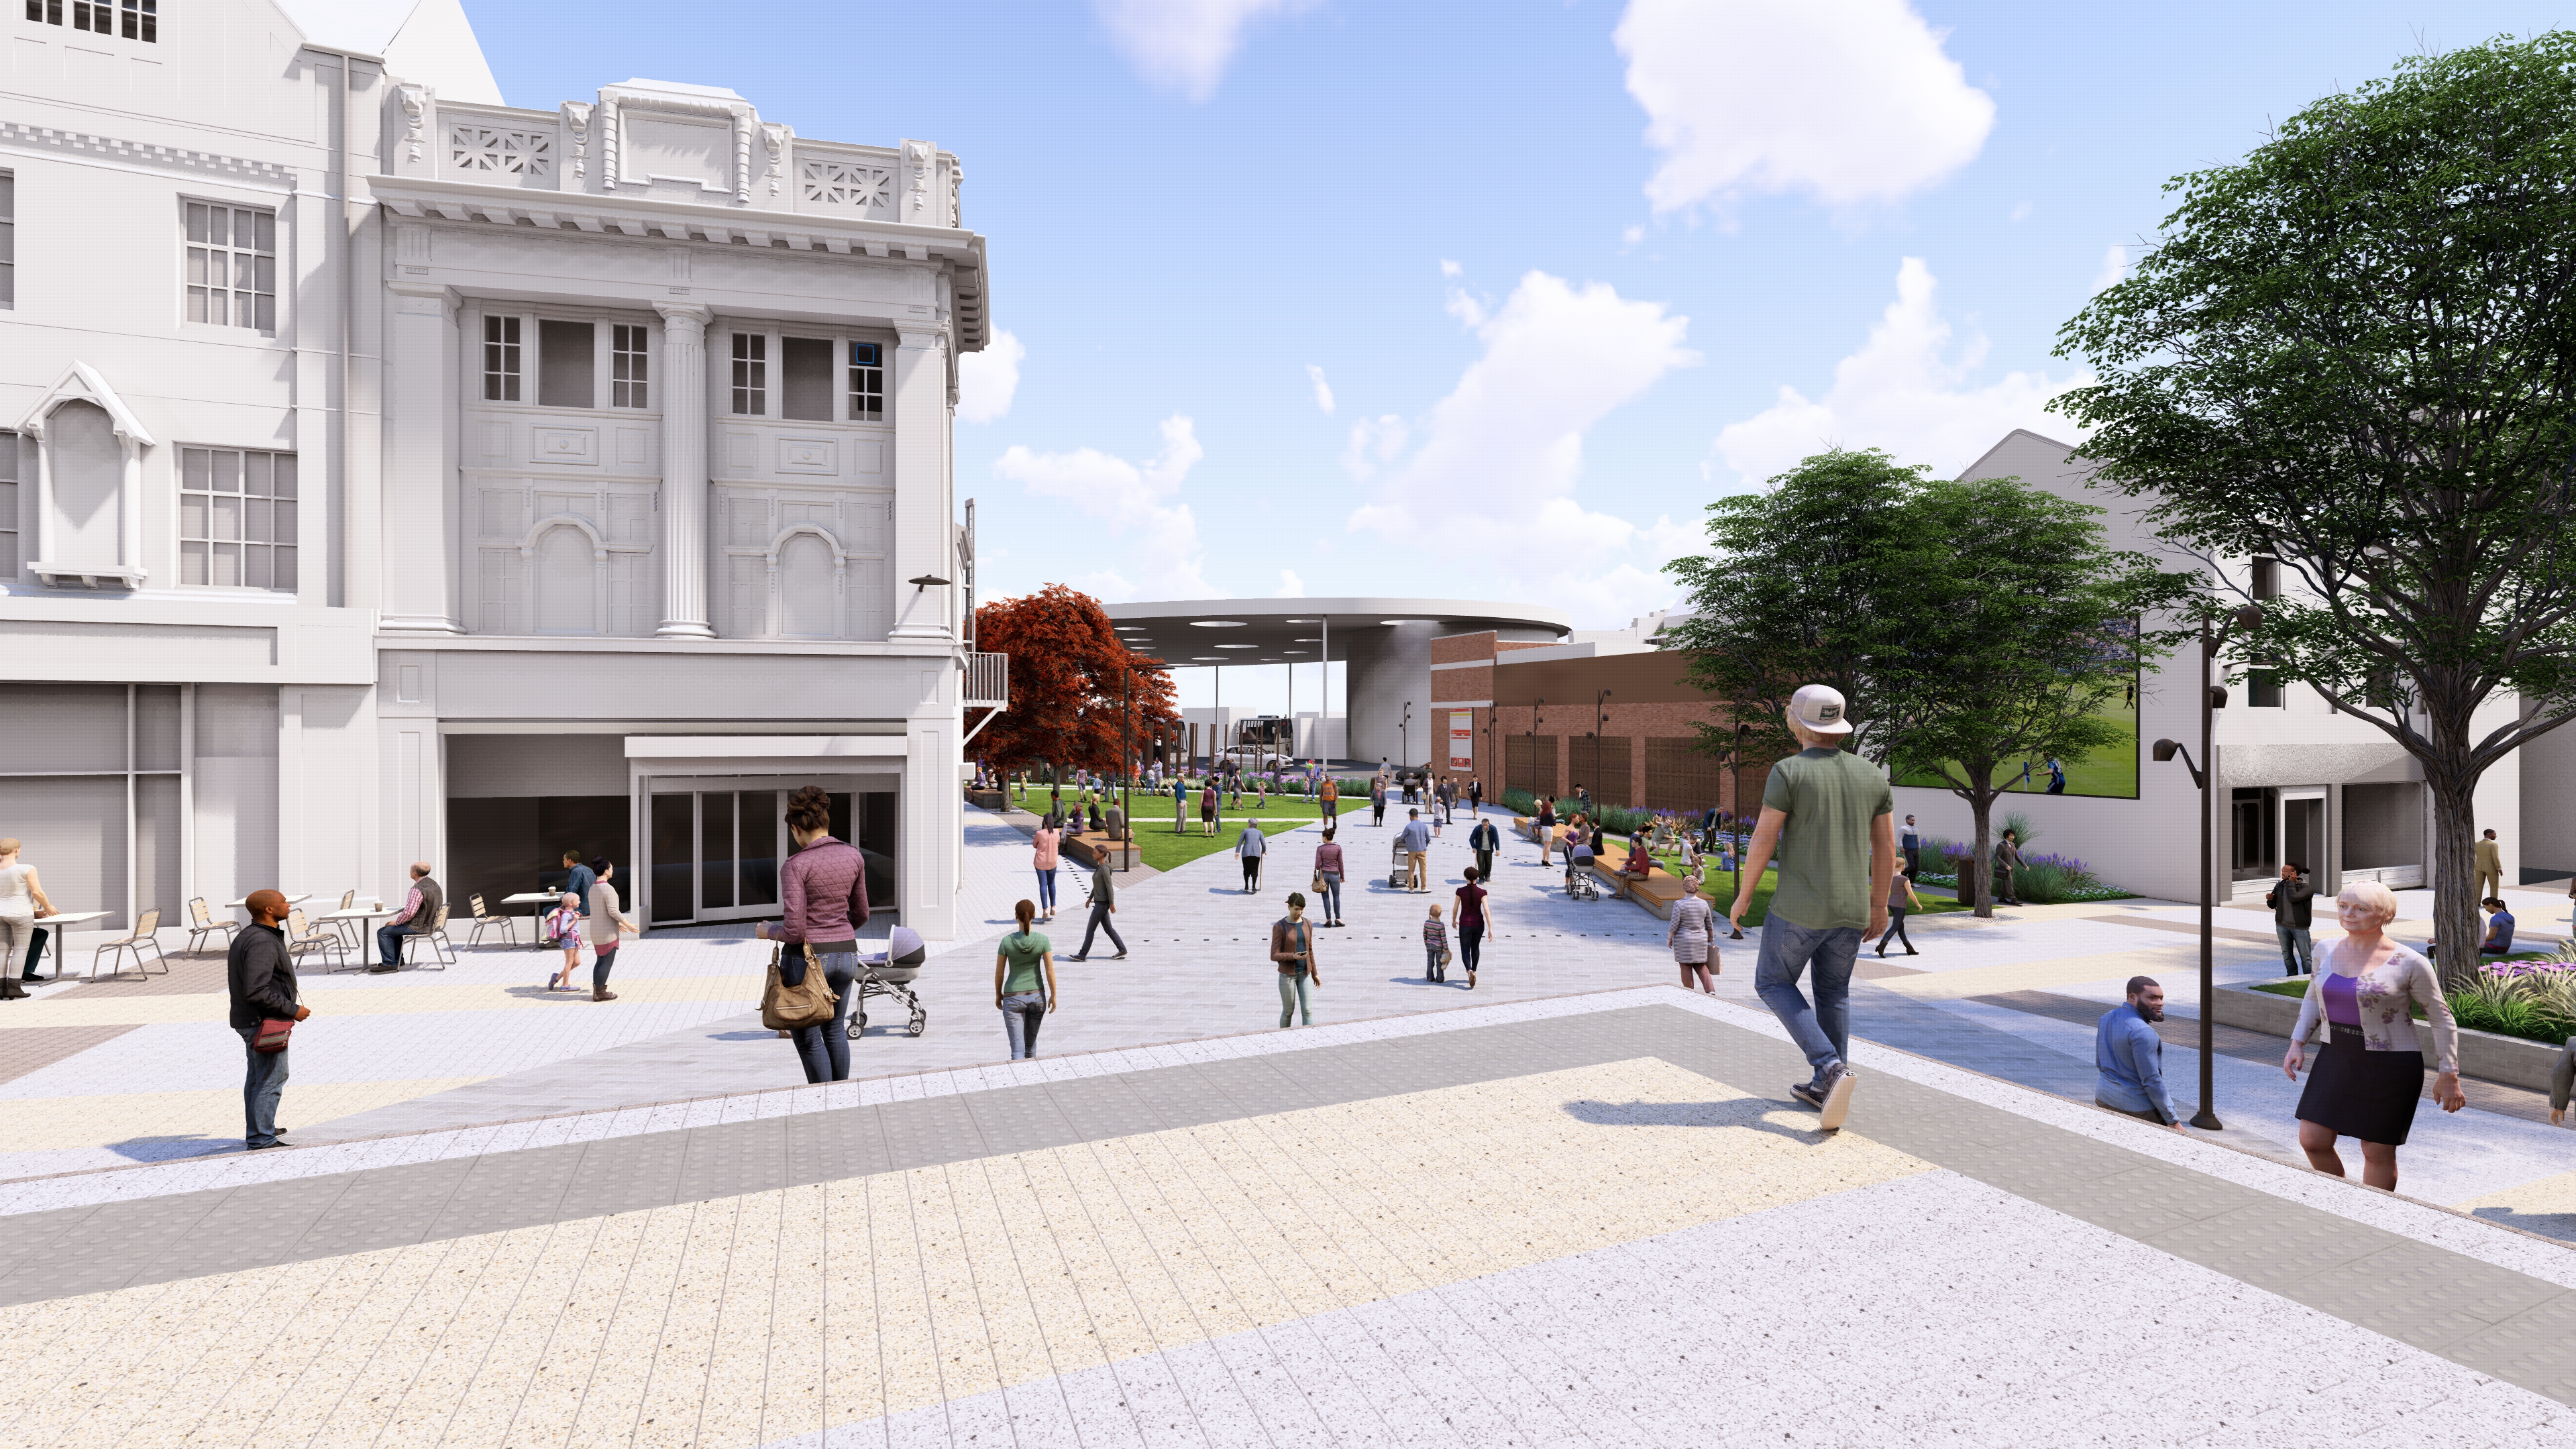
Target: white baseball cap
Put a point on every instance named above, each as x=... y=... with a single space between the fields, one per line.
x=1818 y=709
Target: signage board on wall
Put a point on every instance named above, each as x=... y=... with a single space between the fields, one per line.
x=1462 y=739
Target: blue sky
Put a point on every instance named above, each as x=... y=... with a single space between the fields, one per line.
x=1569 y=269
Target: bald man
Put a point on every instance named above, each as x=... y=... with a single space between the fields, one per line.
x=418 y=914
x=259 y=975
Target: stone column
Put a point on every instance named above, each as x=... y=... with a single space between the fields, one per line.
x=922 y=543
x=683 y=388
x=423 y=497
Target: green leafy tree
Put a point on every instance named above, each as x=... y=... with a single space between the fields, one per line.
x=2355 y=351
x=2007 y=630
x=1966 y=623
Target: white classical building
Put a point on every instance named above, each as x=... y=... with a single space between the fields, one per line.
x=474 y=483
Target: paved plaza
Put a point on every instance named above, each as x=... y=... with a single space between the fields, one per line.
x=1575 y=1206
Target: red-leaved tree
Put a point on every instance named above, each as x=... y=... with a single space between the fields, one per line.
x=1071 y=683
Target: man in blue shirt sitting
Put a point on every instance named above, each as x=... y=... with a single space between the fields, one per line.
x=2131 y=1057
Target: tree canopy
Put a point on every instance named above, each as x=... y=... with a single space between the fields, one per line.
x=1074 y=683
x=2354 y=351
x=1967 y=622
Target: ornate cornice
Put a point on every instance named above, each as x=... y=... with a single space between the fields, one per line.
x=139 y=153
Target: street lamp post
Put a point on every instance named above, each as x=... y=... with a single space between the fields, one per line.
x=1600 y=727
x=2213 y=696
x=1735 y=797
x=1533 y=754
x=1127 y=756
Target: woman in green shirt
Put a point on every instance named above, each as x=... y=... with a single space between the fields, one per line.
x=1024 y=982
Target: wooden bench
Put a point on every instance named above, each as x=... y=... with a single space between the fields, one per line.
x=1090 y=847
x=1657 y=891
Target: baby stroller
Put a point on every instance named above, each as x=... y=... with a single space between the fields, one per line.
x=889 y=973
x=1580 y=883
x=1400 y=875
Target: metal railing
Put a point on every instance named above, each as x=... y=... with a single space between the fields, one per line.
x=988 y=681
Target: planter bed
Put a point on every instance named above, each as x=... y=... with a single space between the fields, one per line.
x=2509 y=1060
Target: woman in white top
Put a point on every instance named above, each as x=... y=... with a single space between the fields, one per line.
x=2371 y=1074
x=605 y=922
x=22 y=900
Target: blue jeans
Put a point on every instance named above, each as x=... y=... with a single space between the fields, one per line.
x=389 y=943
x=1023 y=1012
x=1046 y=890
x=2298 y=951
x=1331 y=904
x=1822 y=1032
x=262 y=1086
x=825 y=1049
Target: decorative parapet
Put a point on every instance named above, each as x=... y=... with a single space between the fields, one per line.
x=143 y=153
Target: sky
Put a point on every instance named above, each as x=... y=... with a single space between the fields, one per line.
x=1490 y=300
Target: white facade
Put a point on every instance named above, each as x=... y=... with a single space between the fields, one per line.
x=388 y=474
x=2295 y=781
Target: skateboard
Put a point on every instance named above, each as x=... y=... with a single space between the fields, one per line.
x=1837 y=1104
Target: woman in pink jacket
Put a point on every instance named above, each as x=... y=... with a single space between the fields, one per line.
x=1049 y=835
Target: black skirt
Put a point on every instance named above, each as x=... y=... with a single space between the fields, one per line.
x=2356 y=1092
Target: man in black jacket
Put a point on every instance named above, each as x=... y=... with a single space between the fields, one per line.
x=2291 y=903
x=260 y=977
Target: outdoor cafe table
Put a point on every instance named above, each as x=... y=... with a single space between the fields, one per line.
x=58 y=926
x=244 y=903
x=533 y=900
x=357 y=917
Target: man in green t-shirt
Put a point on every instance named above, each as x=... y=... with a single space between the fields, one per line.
x=1828 y=814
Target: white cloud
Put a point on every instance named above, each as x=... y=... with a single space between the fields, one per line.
x=1291 y=586
x=1374 y=441
x=1185 y=44
x=987 y=380
x=1449 y=268
x=2115 y=268
x=1501 y=454
x=1323 y=389
x=1125 y=494
x=1906 y=390
x=1854 y=103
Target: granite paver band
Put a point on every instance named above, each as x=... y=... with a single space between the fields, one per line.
x=2490 y=1319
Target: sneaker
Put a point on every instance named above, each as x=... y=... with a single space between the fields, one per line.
x=1808 y=1095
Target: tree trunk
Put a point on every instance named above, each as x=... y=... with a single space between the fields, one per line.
x=2452 y=874
x=1979 y=865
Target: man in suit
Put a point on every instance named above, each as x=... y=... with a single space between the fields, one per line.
x=2490 y=867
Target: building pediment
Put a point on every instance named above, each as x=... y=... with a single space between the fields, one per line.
x=81 y=382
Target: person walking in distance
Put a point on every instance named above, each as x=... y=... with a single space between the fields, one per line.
x=1024 y=982
x=1825 y=811
x=1909 y=839
x=2129 y=1058
x=1049 y=838
x=1180 y=805
x=259 y=980
x=1900 y=899
x=563 y=927
x=1545 y=827
x=1104 y=904
x=2292 y=900
x=1207 y=806
x=1251 y=845
x=1415 y=841
x=2007 y=861
x=2371 y=1075
x=1693 y=937
x=1484 y=840
x=1330 y=800
x=1474 y=904
x=1435 y=945
x=606 y=923
x=1377 y=801
x=22 y=900
x=823 y=893
x=1292 y=950
x=1476 y=796
x=1328 y=877
x=2490 y=863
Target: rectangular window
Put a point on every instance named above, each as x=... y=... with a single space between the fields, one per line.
x=566 y=363
x=867 y=382
x=627 y=364
x=48 y=12
x=143 y=20
x=2263 y=689
x=94 y=15
x=236 y=519
x=232 y=266
x=500 y=359
x=751 y=374
x=8 y=505
x=805 y=378
x=2267 y=578
x=8 y=240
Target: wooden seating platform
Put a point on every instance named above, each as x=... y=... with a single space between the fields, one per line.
x=1657 y=891
x=1089 y=847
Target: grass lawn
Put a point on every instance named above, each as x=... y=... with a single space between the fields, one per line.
x=1163 y=850
x=2110 y=772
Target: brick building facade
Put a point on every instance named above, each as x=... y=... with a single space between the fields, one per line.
x=1536 y=717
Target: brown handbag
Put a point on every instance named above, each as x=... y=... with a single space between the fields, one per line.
x=272 y=1035
x=810 y=1002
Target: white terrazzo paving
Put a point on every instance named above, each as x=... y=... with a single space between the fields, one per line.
x=1928 y=1309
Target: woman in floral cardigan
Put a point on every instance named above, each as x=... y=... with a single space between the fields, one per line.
x=2371 y=1073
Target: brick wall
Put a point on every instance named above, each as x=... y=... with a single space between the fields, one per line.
x=1571 y=758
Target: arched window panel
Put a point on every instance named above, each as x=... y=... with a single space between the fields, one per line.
x=567 y=581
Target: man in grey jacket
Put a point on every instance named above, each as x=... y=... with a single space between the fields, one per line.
x=1251 y=846
x=2292 y=903
x=260 y=978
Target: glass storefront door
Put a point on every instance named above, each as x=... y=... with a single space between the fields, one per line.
x=714 y=845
